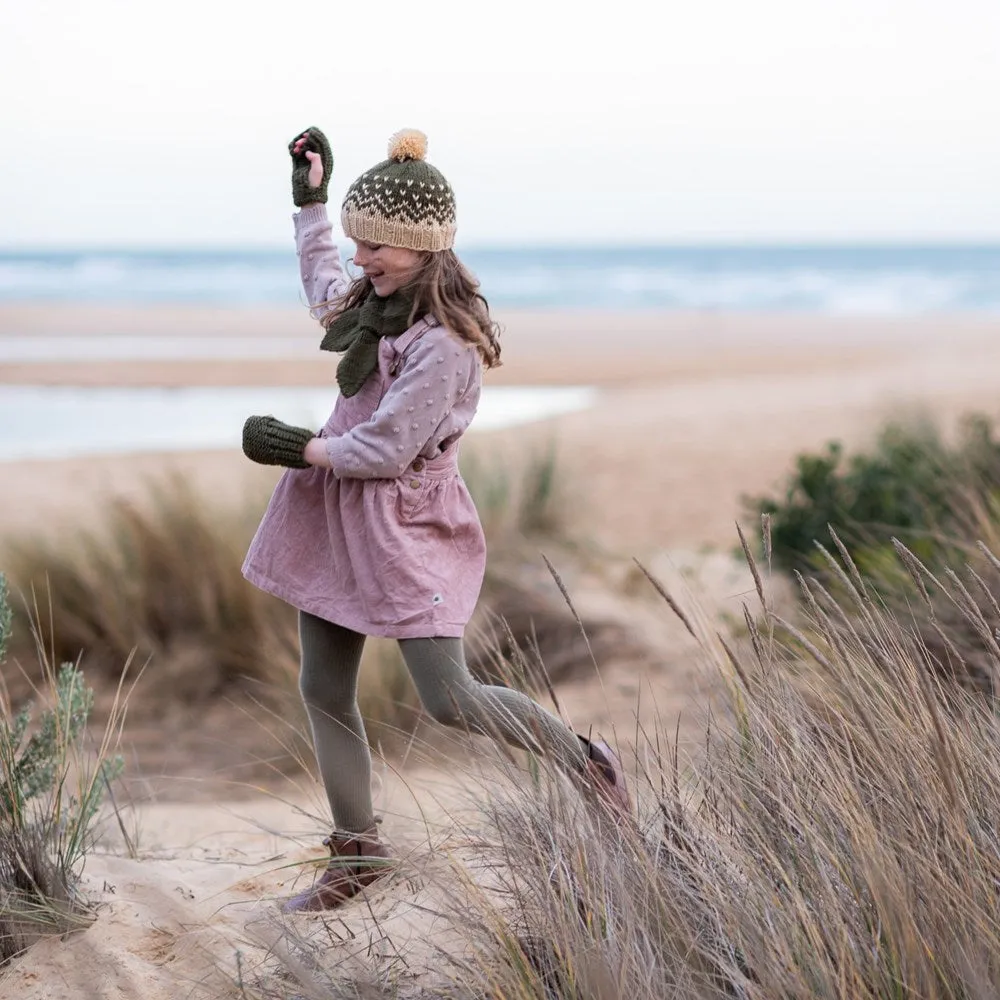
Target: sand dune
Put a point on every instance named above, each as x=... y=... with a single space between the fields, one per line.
x=197 y=907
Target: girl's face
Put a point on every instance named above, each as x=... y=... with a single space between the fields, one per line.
x=389 y=268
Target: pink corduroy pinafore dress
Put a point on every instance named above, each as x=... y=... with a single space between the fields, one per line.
x=389 y=542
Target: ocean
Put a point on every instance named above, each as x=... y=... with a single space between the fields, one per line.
x=831 y=280
x=107 y=420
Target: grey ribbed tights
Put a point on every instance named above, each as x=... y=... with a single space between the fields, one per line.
x=331 y=661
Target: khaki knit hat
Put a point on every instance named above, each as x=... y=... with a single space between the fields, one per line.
x=402 y=201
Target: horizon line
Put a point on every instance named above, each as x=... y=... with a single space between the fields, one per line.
x=858 y=243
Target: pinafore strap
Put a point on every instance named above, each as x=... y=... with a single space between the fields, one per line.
x=401 y=344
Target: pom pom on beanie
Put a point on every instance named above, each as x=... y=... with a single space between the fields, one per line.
x=408 y=144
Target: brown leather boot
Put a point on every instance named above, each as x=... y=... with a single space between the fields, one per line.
x=356 y=860
x=605 y=771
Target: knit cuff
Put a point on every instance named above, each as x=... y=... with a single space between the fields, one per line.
x=310 y=215
x=335 y=451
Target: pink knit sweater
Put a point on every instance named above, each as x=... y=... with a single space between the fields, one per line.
x=430 y=403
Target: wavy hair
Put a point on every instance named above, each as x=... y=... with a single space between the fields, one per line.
x=444 y=287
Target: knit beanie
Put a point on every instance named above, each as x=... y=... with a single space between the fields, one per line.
x=402 y=201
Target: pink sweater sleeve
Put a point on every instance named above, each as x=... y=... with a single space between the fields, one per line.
x=323 y=276
x=431 y=402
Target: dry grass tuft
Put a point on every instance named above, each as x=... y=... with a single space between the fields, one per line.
x=158 y=580
x=838 y=839
x=37 y=896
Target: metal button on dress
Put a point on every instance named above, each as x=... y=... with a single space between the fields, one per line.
x=415 y=484
x=418 y=464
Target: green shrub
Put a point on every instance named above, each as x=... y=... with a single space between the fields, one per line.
x=912 y=485
x=50 y=793
x=34 y=767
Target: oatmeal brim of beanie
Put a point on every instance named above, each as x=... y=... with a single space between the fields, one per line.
x=402 y=201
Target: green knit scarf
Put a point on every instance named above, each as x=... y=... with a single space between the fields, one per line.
x=357 y=333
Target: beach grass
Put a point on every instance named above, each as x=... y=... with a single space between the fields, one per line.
x=157 y=580
x=838 y=839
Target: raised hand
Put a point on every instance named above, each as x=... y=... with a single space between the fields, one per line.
x=312 y=166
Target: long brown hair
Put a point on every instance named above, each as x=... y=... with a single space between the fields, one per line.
x=445 y=288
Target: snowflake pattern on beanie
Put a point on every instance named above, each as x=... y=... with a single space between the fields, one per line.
x=402 y=201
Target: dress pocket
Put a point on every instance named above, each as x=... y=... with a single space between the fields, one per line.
x=413 y=494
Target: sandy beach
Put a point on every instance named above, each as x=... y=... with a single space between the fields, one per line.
x=693 y=413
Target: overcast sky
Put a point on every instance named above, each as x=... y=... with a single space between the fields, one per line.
x=632 y=120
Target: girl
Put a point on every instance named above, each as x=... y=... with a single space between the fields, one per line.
x=372 y=531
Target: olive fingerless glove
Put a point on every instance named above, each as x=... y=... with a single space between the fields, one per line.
x=316 y=142
x=268 y=441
